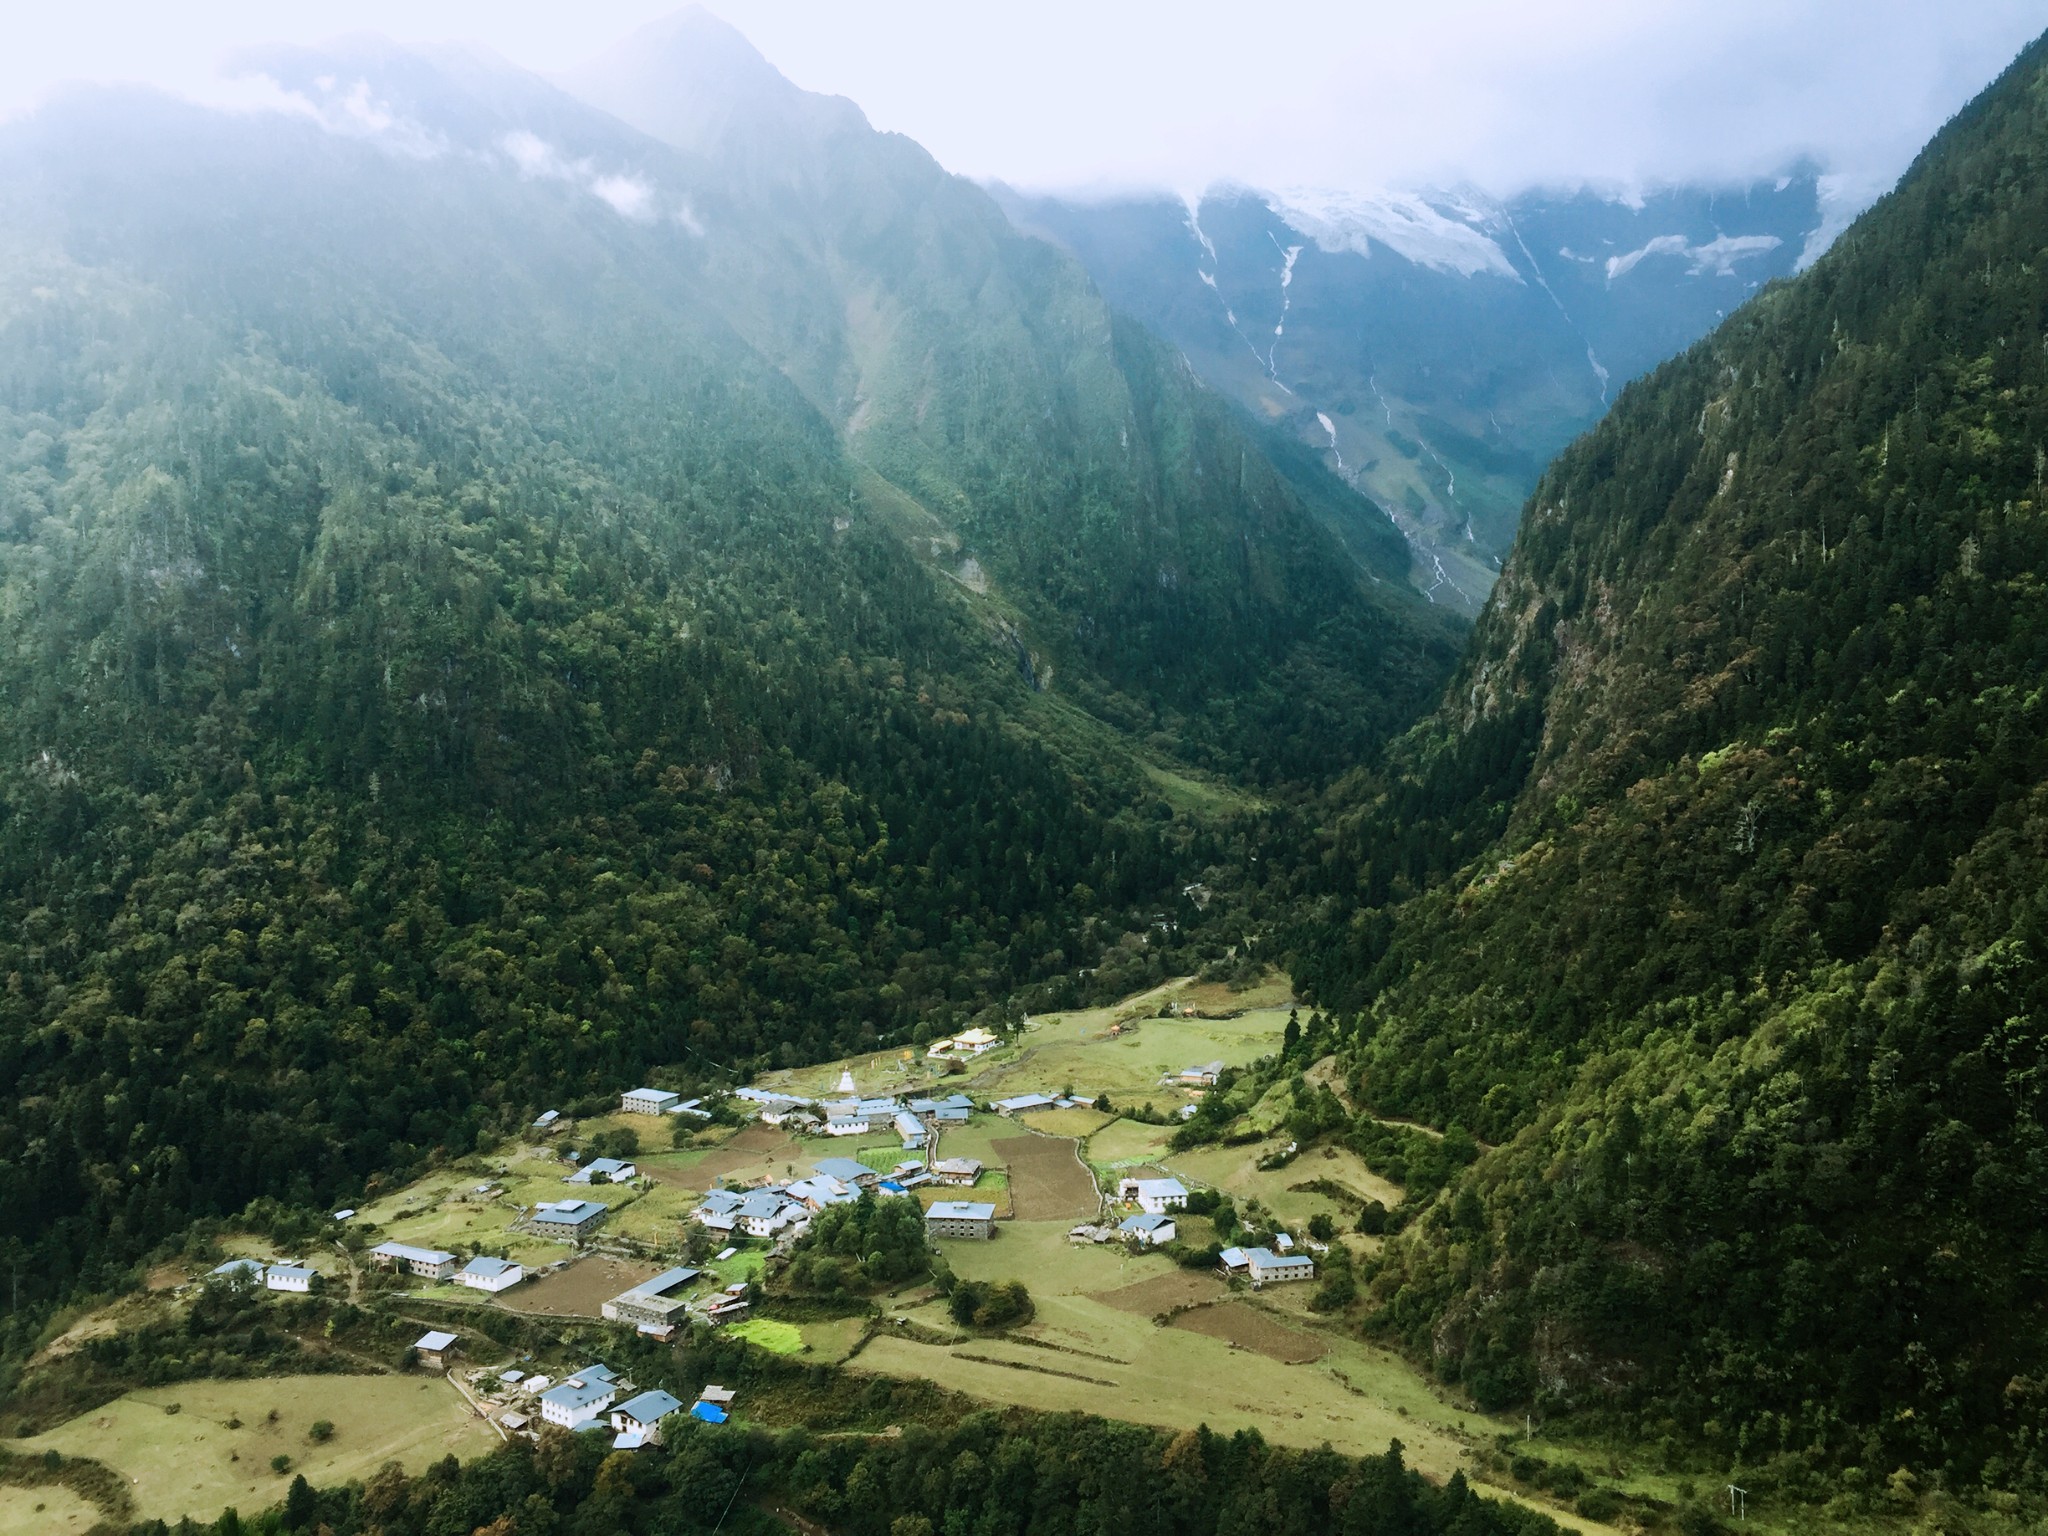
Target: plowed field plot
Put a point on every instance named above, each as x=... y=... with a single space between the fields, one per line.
x=759 y=1150
x=1249 y=1328
x=579 y=1290
x=1162 y=1293
x=1047 y=1181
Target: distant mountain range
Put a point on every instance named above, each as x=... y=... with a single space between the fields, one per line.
x=1437 y=349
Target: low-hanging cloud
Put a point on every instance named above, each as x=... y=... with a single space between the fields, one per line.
x=1347 y=95
x=627 y=194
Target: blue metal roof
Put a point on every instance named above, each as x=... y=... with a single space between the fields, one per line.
x=649 y=1406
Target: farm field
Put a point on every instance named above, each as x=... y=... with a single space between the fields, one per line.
x=192 y=1463
x=1047 y=1181
x=579 y=1290
x=757 y=1151
x=50 y=1511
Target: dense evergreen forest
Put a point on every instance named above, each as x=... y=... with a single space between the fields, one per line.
x=454 y=661
x=1712 y=895
x=1016 y=1472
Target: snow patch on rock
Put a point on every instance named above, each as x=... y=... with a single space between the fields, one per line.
x=1405 y=223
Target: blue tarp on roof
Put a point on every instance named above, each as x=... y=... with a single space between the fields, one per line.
x=710 y=1413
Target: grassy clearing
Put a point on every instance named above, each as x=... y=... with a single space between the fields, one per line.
x=832 y=1341
x=1199 y=797
x=1098 y=1351
x=1127 y=1143
x=193 y=1463
x=1076 y=1049
x=448 y=1210
x=782 y=1338
x=47 y=1511
x=1236 y=1169
x=1067 y=1122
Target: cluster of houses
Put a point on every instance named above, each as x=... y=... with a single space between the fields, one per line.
x=1156 y=1201
x=596 y=1399
x=276 y=1275
x=770 y=1210
x=482 y=1273
x=912 y=1120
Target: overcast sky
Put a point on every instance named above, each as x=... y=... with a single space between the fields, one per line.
x=1112 y=94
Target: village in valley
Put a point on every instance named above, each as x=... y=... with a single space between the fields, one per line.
x=1043 y=1168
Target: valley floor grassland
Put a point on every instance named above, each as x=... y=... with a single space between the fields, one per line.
x=47 y=1511
x=1094 y=1347
x=193 y=1463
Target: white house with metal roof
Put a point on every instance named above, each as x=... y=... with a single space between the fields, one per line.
x=580 y=1398
x=1203 y=1076
x=766 y=1212
x=289 y=1277
x=717 y=1210
x=484 y=1273
x=614 y=1170
x=1154 y=1196
x=1148 y=1227
x=643 y=1414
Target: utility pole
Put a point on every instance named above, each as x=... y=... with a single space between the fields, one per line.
x=1738 y=1501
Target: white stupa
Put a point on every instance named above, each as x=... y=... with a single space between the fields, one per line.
x=846 y=1082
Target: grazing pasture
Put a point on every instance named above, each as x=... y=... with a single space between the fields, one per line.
x=215 y=1449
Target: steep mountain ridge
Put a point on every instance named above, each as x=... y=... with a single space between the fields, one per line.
x=1436 y=349
x=1747 y=982
x=965 y=357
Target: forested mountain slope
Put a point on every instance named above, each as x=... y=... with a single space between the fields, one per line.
x=1072 y=457
x=450 y=663
x=1435 y=350
x=1750 y=981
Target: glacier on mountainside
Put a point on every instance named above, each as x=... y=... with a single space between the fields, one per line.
x=1717 y=256
x=1403 y=222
